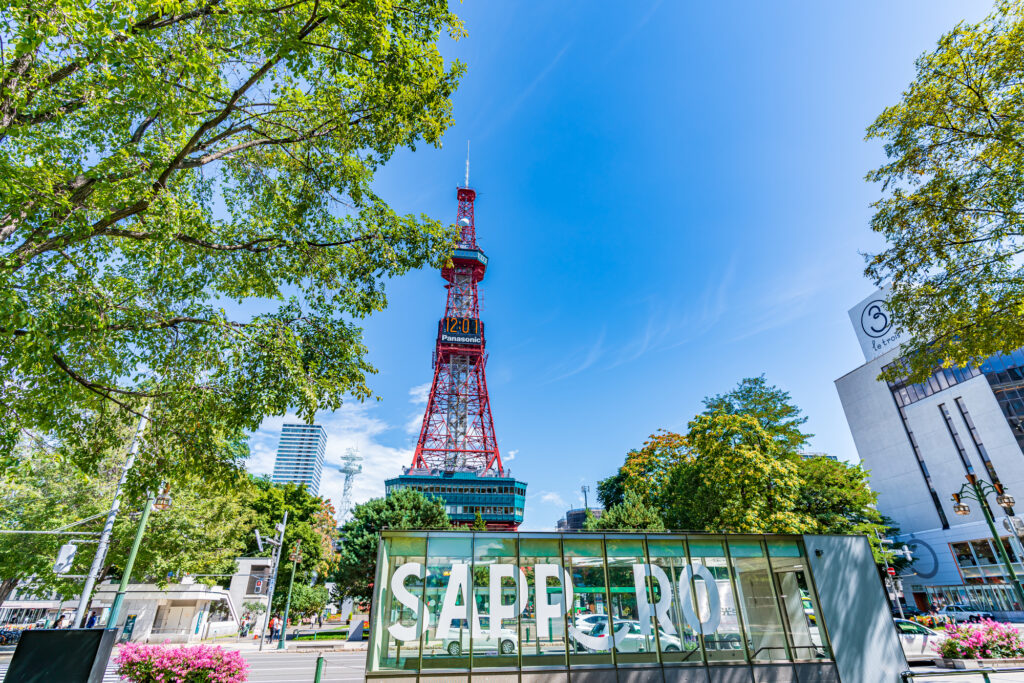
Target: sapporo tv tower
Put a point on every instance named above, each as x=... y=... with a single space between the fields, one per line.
x=457 y=457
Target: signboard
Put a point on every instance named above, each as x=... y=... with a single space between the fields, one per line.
x=454 y=330
x=549 y=605
x=129 y=626
x=890 y=571
x=874 y=326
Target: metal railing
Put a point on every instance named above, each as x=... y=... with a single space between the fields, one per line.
x=984 y=672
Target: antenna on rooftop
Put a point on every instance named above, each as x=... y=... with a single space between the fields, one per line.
x=467 y=164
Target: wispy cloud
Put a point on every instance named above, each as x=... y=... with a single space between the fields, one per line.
x=783 y=303
x=577 y=365
x=628 y=35
x=509 y=111
x=354 y=425
x=419 y=394
x=551 y=498
x=510 y=455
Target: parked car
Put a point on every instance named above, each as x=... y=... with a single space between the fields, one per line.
x=961 y=613
x=918 y=641
x=585 y=623
x=634 y=640
x=457 y=642
x=908 y=612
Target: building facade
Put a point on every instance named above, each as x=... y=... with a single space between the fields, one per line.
x=300 y=456
x=920 y=441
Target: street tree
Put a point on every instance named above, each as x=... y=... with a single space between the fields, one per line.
x=772 y=407
x=646 y=468
x=401 y=509
x=307 y=600
x=633 y=513
x=952 y=210
x=310 y=523
x=188 y=223
x=611 y=491
x=478 y=522
x=735 y=478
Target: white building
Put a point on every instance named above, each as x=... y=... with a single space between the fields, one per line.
x=300 y=456
x=919 y=442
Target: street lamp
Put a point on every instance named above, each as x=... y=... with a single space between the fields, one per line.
x=163 y=501
x=295 y=557
x=979 y=490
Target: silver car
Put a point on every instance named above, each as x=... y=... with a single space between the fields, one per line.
x=918 y=641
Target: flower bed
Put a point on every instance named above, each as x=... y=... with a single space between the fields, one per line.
x=985 y=642
x=163 y=664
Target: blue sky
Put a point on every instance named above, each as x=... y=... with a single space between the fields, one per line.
x=671 y=195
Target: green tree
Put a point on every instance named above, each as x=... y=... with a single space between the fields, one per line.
x=307 y=600
x=836 y=497
x=735 y=479
x=952 y=209
x=632 y=513
x=402 y=509
x=310 y=522
x=612 y=491
x=646 y=468
x=202 y=533
x=163 y=162
x=772 y=407
x=478 y=522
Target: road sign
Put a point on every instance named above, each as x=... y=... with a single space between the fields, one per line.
x=891 y=571
x=65 y=557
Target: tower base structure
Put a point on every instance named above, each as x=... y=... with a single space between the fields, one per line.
x=499 y=499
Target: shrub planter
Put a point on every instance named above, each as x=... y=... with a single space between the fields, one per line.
x=981 y=663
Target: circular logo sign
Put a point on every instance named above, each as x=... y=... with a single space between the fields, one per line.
x=874 y=319
x=926 y=562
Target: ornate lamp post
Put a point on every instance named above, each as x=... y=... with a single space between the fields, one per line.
x=979 y=490
x=295 y=557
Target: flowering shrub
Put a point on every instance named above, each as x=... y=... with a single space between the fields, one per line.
x=197 y=664
x=988 y=640
x=931 y=620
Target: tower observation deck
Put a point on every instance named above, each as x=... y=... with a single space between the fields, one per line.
x=457 y=457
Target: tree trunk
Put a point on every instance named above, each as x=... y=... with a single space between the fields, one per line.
x=7 y=587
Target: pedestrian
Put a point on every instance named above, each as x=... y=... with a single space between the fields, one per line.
x=275 y=627
x=92 y=620
x=60 y=622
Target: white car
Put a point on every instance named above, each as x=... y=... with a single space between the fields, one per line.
x=634 y=640
x=506 y=643
x=958 y=614
x=918 y=641
x=586 y=623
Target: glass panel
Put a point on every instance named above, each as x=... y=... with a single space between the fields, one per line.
x=542 y=624
x=678 y=638
x=402 y=574
x=446 y=641
x=964 y=556
x=634 y=641
x=765 y=635
x=589 y=642
x=495 y=579
x=800 y=609
x=984 y=552
x=720 y=632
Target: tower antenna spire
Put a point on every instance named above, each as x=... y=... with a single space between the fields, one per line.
x=467 y=164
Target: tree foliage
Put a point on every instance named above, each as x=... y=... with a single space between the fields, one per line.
x=612 y=491
x=162 y=162
x=202 y=533
x=478 y=522
x=646 y=468
x=632 y=513
x=402 y=509
x=307 y=600
x=952 y=211
x=310 y=522
x=771 y=406
x=736 y=478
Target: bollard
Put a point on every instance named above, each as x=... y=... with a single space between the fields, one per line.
x=320 y=664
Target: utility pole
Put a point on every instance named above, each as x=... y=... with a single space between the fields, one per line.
x=279 y=542
x=586 y=490
x=889 y=578
x=108 y=527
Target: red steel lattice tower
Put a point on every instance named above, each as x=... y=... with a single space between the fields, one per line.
x=457 y=458
x=458 y=430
